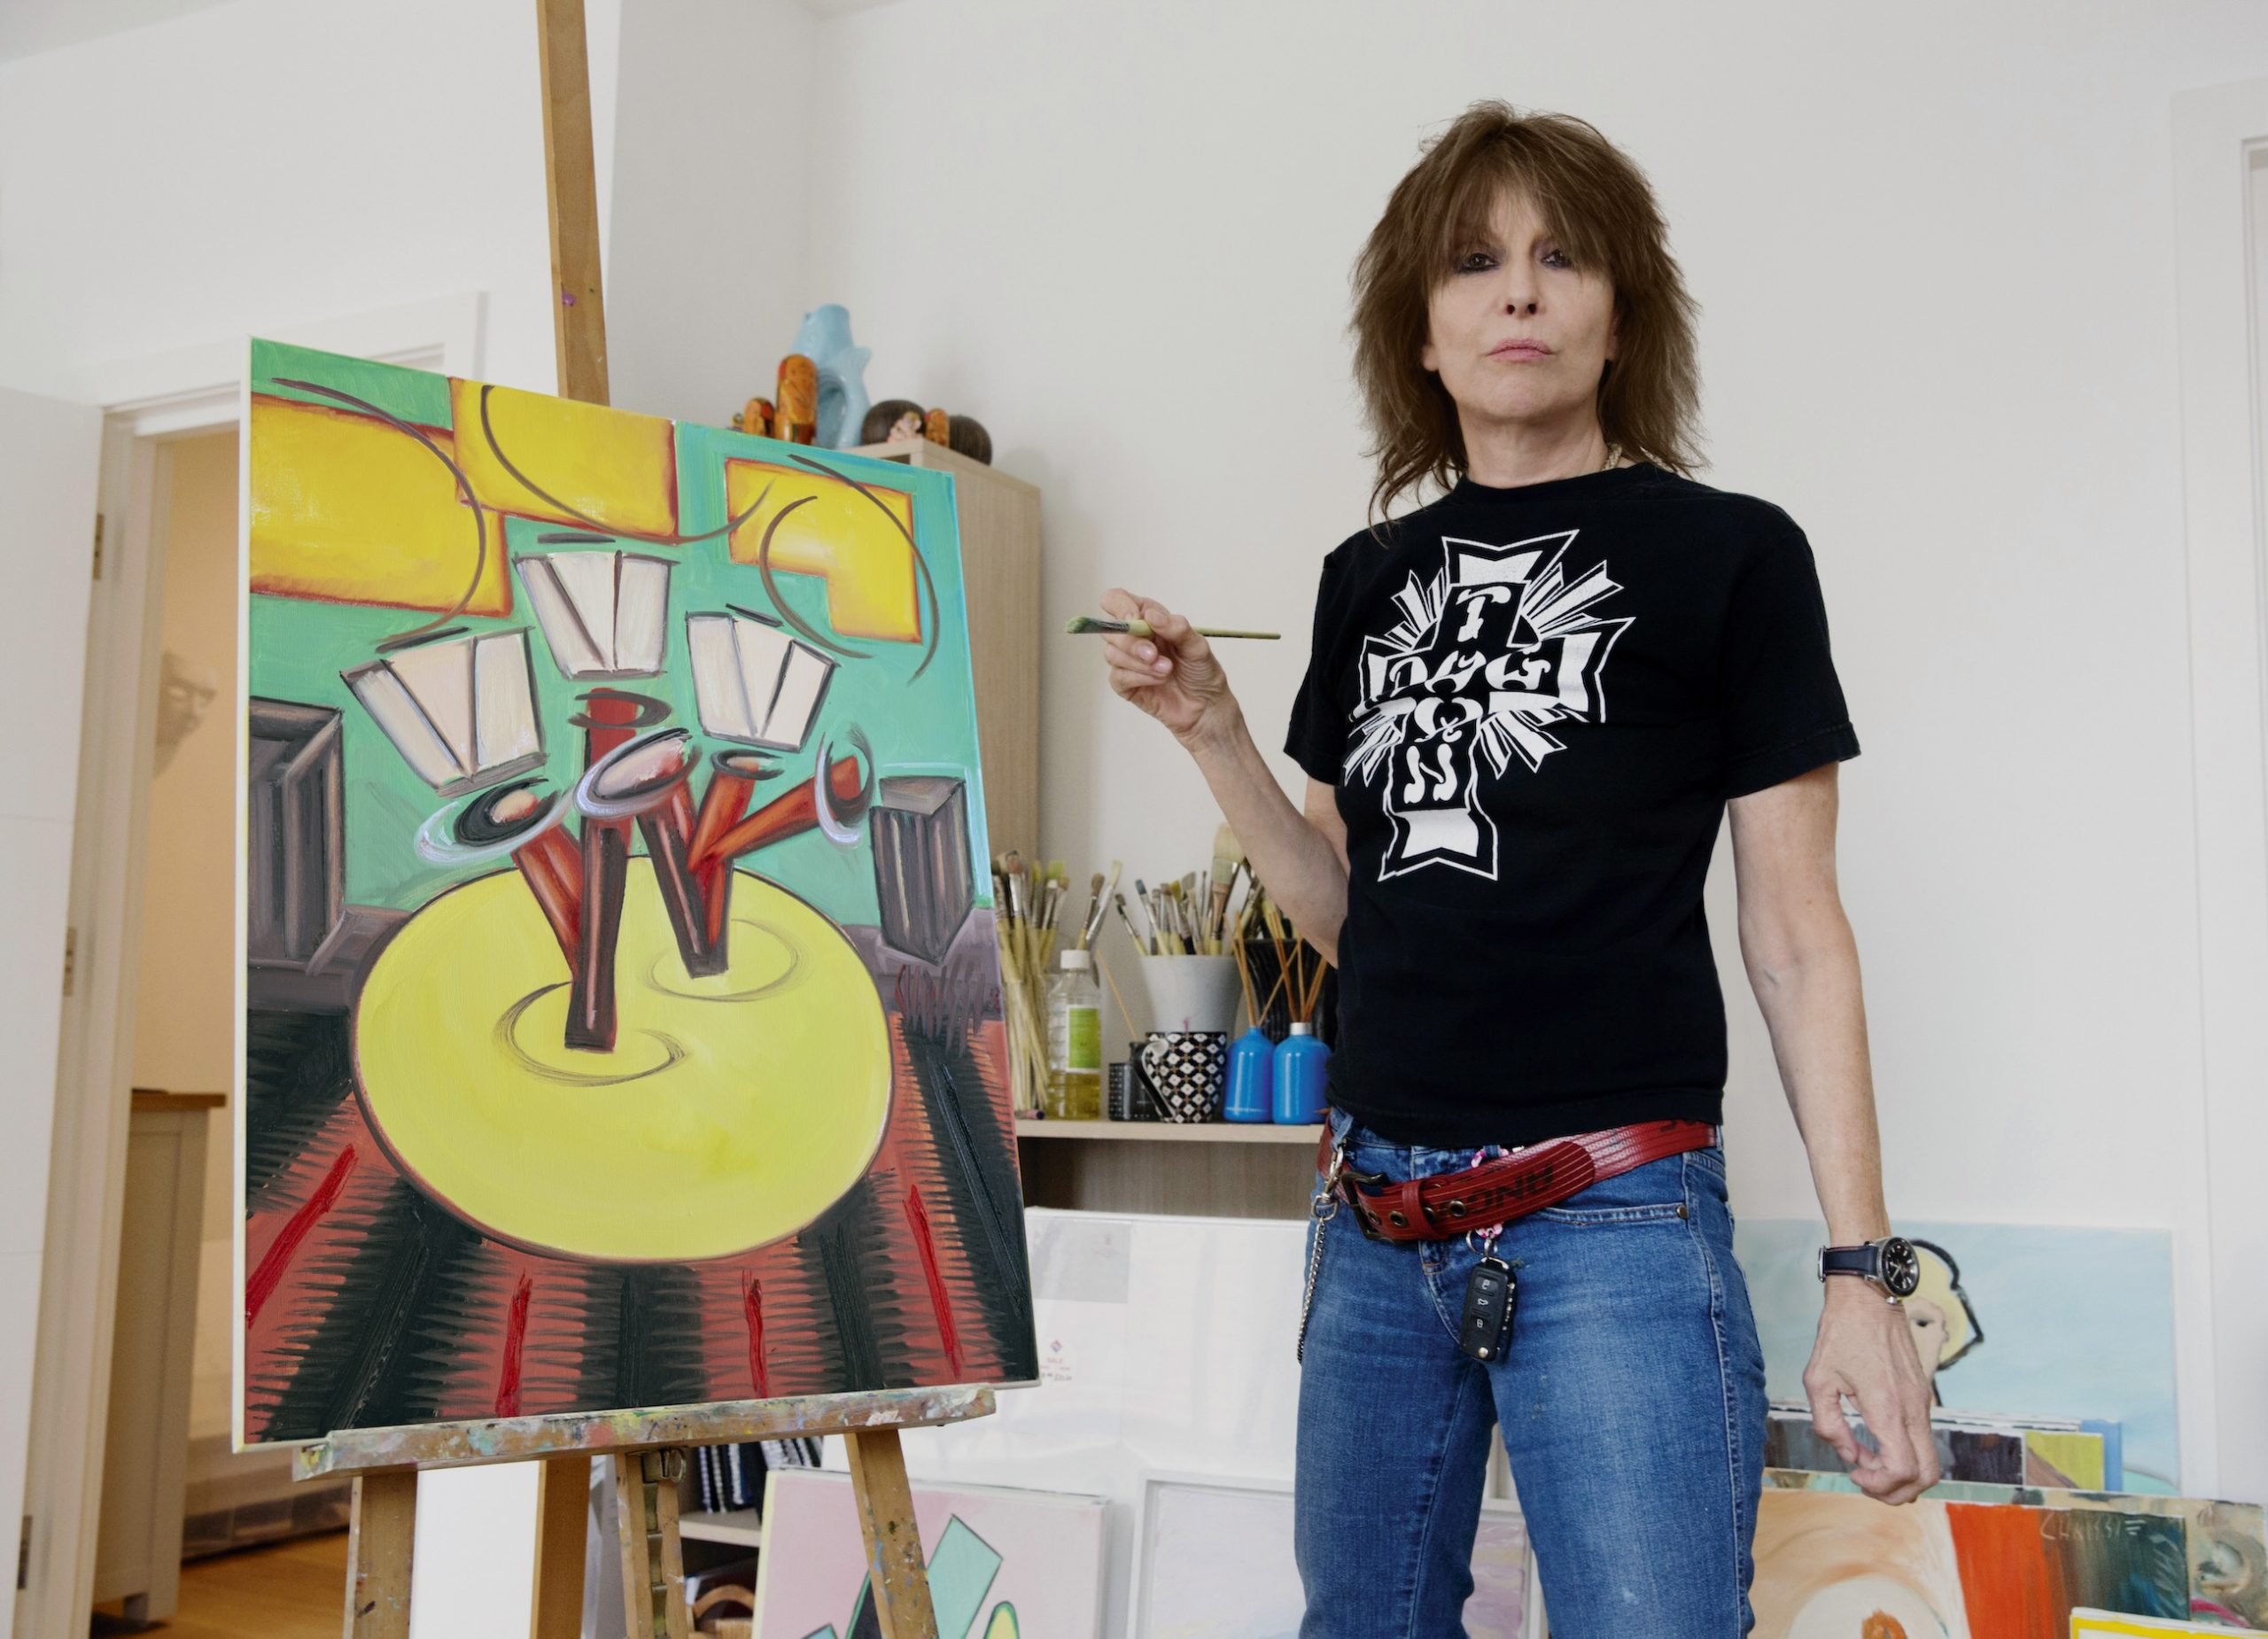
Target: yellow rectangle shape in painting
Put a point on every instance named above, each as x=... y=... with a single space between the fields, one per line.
x=2085 y=1622
x=2077 y=1457
x=821 y=524
x=566 y=461
x=349 y=508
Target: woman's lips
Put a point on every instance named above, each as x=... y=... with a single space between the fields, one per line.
x=1517 y=350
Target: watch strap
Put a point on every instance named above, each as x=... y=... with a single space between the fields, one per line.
x=1863 y=1260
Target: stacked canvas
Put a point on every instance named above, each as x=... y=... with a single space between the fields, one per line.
x=2049 y=1349
x=1830 y=1562
x=1003 y=1564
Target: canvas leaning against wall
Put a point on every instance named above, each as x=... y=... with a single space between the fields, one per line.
x=621 y=1019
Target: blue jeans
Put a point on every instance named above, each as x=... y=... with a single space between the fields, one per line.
x=1631 y=1398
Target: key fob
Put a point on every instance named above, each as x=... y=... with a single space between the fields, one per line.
x=1487 y=1329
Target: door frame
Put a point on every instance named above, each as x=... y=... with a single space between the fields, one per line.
x=147 y=404
x=2220 y=154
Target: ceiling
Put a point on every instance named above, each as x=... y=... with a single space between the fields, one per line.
x=29 y=27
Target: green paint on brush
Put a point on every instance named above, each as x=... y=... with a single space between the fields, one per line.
x=1079 y=626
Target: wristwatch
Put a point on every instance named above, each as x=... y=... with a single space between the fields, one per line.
x=1890 y=1263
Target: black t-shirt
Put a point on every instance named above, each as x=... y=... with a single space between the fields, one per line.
x=1534 y=703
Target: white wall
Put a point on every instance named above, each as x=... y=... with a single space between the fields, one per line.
x=267 y=164
x=259 y=167
x=707 y=235
x=1934 y=254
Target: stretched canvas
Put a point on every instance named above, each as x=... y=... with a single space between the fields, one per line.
x=1166 y=1346
x=1830 y=1566
x=2018 y=1321
x=1214 y=1561
x=2007 y=1451
x=2226 y=1542
x=1003 y=1564
x=597 y=1052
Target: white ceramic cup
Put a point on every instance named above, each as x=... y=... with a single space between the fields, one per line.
x=1192 y=992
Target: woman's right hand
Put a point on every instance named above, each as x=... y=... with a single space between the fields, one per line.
x=1171 y=674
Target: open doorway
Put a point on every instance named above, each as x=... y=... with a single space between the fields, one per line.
x=173 y=1491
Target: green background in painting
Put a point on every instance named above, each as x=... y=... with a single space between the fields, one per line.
x=924 y=725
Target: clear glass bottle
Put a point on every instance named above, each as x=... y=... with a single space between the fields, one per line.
x=1074 y=1040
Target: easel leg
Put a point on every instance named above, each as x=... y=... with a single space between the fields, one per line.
x=653 y=1556
x=900 y=1582
x=562 y=1505
x=377 y=1554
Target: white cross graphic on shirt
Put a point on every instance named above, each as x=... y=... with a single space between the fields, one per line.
x=1486 y=652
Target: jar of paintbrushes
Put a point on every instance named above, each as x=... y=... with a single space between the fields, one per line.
x=1194 y=935
x=1048 y=997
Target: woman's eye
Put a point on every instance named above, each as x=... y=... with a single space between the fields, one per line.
x=1475 y=261
x=1558 y=258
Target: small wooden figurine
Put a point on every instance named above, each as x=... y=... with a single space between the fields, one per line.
x=795 y=421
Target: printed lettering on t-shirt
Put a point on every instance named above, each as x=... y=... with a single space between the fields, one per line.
x=1482 y=656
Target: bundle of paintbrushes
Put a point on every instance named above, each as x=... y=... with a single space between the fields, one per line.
x=1190 y=916
x=1029 y=907
x=1299 y=966
x=1025 y=903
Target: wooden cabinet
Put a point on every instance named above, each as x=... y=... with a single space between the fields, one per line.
x=1207 y=1170
x=999 y=547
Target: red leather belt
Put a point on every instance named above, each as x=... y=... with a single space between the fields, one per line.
x=1450 y=1204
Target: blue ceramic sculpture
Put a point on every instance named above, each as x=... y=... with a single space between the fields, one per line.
x=824 y=338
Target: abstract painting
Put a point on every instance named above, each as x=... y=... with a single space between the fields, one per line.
x=621 y=1015
x=1214 y=1561
x=2012 y=1320
x=1830 y=1566
x=1003 y=1564
x=2006 y=1452
x=2227 y=1542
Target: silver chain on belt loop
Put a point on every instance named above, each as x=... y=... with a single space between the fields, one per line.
x=1323 y=1209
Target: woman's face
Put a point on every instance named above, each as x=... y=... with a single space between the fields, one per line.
x=1517 y=332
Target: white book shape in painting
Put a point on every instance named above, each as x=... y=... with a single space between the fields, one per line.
x=462 y=711
x=604 y=614
x=753 y=682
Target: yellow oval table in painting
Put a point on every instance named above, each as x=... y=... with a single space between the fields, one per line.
x=732 y=1110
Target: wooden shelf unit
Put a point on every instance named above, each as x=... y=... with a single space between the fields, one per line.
x=999 y=547
x=1167 y=1132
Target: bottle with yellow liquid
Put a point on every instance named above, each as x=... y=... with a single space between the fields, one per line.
x=1074 y=1040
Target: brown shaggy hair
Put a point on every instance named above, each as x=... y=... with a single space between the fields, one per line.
x=1601 y=209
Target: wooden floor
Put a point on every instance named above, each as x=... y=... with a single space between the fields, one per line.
x=294 y=1590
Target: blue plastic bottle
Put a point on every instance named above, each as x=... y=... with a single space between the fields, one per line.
x=1252 y=1061
x=1301 y=1064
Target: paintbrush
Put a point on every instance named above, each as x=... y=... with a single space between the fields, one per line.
x=1119 y=902
x=1079 y=626
x=1093 y=917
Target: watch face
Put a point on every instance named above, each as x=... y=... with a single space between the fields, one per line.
x=1901 y=1267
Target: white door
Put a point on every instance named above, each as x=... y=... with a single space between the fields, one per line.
x=49 y=454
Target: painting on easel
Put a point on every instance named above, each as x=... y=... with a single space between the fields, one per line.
x=621 y=1010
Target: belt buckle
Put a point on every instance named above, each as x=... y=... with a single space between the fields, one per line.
x=1364 y=1217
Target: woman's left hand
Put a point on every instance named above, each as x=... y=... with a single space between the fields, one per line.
x=1866 y=1350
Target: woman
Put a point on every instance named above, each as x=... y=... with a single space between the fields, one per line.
x=1528 y=708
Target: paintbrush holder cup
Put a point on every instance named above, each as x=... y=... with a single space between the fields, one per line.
x=1184 y=1068
x=1193 y=993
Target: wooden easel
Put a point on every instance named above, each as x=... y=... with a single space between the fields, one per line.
x=647 y=1448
